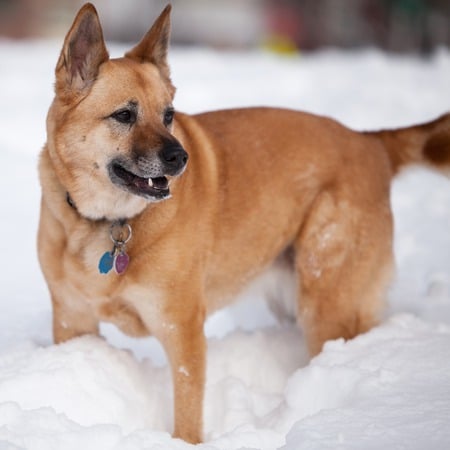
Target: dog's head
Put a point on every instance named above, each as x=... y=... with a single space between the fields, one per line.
x=110 y=125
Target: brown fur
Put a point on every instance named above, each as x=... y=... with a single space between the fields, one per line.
x=259 y=182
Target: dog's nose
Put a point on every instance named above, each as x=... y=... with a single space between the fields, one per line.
x=174 y=158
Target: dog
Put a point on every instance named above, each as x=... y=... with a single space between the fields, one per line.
x=152 y=219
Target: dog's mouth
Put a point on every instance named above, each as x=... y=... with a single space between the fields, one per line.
x=154 y=188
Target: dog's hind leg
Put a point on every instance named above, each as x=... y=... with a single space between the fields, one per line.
x=344 y=262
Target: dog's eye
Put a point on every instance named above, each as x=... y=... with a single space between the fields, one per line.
x=124 y=116
x=168 y=116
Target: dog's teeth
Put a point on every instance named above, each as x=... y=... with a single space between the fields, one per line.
x=150 y=182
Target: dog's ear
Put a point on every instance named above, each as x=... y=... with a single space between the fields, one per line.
x=82 y=54
x=154 y=45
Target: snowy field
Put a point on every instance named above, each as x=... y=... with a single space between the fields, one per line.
x=389 y=388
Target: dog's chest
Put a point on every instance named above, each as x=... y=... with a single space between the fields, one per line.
x=119 y=298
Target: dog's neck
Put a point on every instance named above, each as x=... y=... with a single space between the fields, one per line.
x=120 y=233
x=73 y=205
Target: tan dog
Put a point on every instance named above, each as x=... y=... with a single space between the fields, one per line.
x=262 y=187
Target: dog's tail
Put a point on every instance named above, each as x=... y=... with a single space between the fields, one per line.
x=426 y=144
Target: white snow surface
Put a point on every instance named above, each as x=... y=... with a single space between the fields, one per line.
x=388 y=388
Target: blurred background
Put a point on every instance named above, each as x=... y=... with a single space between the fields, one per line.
x=413 y=26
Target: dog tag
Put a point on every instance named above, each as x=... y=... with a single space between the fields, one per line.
x=119 y=233
x=121 y=262
x=106 y=262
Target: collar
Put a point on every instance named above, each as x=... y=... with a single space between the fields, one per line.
x=70 y=202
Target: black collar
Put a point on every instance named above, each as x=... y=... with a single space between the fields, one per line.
x=70 y=202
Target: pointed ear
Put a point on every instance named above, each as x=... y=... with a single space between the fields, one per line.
x=154 y=45
x=82 y=54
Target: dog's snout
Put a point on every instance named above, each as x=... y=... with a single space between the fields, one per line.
x=174 y=158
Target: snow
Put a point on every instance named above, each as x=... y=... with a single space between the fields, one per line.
x=389 y=388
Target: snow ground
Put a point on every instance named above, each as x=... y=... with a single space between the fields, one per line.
x=389 y=388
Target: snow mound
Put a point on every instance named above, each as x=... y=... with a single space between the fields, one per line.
x=369 y=393
x=358 y=394
x=84 y=379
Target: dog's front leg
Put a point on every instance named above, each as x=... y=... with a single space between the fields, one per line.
x=71 y=318
x=185 y=345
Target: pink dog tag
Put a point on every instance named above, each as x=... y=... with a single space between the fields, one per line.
x=121 y=262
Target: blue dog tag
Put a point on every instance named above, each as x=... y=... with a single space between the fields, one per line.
x=106 y=262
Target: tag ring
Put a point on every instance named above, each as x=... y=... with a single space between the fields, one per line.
x=121 y=227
